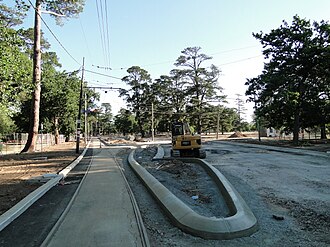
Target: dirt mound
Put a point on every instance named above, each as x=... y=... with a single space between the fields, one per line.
x=237 y=134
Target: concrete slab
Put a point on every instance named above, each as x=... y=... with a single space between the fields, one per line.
x=101 y=214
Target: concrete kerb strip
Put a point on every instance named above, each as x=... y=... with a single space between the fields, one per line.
x=279 y=149
x=242 y=221
x=14 y=212
x=160 y=153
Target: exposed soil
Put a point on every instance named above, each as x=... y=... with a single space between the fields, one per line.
x=188 y=181
x=288 y=214
x=283 y=221
x=20 y=174
x=316 y=145
x=310 y=220
x=237 y=134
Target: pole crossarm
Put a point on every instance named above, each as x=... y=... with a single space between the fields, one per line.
x=109 y=88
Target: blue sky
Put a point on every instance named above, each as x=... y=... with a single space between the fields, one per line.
x=151 y=34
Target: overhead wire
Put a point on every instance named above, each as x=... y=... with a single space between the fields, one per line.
x=52 y=33
x=107 y=34
x=97 y=73
x=104 y=33
x=172 y=61
x=240 y=60
x=234 y=49
x=100 y=83
x=100 y=22
x=103 y=19
x=84 y=34
x=105 y=41
x=223 y=64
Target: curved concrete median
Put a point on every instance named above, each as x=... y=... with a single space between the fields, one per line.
x=241 y=223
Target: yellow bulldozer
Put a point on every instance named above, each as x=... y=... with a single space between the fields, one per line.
x=184 y=143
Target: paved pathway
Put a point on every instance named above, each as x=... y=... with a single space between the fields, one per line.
x=102 y=213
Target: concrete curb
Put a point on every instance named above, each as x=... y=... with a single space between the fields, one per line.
x=242 y=221
x=160 y=153
x=278 y=149
x=14 y=212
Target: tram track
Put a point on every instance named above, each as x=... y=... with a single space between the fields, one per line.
x=65 y=212
x=105 y=206
x=241 y=166
x=142 y=231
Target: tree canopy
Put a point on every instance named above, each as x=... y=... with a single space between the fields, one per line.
x=59 y=96
x=59 y=10
x=294 y=84
x=137 y=96
x=201 y=82
x=184 y=94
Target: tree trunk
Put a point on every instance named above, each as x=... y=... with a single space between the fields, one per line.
x=139 y=122
x=323 y=132
x=34 y=117
x=57 y=134
x=296 y=129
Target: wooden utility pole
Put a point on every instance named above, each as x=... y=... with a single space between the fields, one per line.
x=218 y=123
x=152 y=122
x=79 y=111
x=86 y=121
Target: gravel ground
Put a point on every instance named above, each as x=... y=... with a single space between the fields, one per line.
x=187 y=181
x=291 y=220
x=288 y=193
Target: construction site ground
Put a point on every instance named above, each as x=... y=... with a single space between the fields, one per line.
x=286 y=217
x=287 y=192
x=22 y=173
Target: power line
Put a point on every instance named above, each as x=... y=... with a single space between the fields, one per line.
x=99 y=22
x=172 y=61
x=107 y=29
x=104 y=34
x=97 y=73
x=101 y=67
x=52 y=33
x=100 y=27
x=109 y=88
x=238 y=61
x=99 y=83
x=84 y=34
x=146 y=65
x=235 y=49
x=102 y=14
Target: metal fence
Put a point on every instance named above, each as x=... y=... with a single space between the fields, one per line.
x=14 y=143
